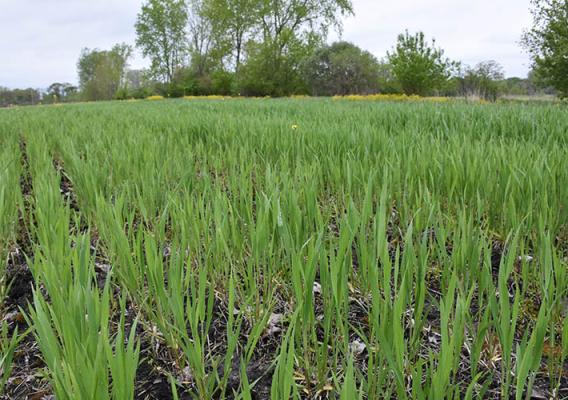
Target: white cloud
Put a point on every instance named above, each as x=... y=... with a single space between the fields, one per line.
x=42 y=39
x=469 y=31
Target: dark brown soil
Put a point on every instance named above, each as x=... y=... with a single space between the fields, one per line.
x=20 y=279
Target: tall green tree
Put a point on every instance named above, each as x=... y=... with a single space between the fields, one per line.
x=268 y=72
x=57 y=92
x=547 y=43
x=233 y=23
x=483 y=81
x=206 y=46
x=161 y=35
x=102 y=72
x=419 y=66
x=289 y=31
x=340 y=69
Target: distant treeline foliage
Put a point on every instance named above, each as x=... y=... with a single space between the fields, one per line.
x=55 y=93
x=278 y=48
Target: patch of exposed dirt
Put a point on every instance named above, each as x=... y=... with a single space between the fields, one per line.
x=20 y=280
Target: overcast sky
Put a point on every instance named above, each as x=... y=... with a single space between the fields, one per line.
x=40 y=40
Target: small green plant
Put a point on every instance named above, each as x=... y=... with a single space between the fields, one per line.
x=8 y=344
x=72 y=331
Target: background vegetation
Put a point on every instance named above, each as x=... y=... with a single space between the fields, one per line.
x=278 y=48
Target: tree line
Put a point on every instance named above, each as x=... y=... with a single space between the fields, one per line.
x=278 y=48
x=56 y=92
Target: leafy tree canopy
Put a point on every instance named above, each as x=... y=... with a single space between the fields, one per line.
x=161 y=35
x=340 y=69
x=419 y=66
x=547 y=43
x=102 y=72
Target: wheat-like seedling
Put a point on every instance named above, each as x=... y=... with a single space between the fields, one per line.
x=289 y=248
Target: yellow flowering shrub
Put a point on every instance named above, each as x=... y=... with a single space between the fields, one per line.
x=209 y=97
x=391 y=97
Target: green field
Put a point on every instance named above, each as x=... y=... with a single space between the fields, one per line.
x=293 y=248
